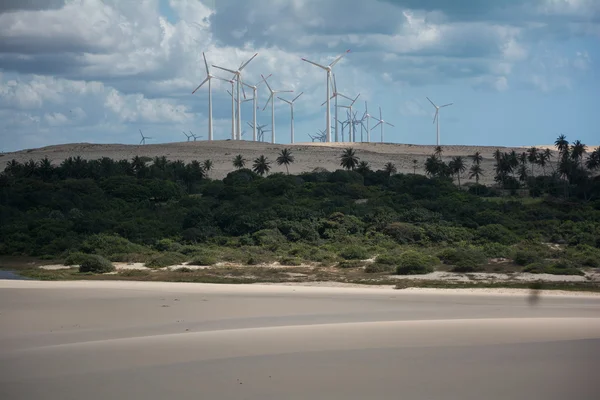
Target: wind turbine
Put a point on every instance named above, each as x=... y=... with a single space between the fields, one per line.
x=143 y=141
x=291 y=103
x=436 y=117
x=351 y=134
x=335 y=107
x=232 y=111
x=272 y=100
x=381 y=122
x=328 y=68
x=367 y=116
x=238 y=77
x=194 y=136
x=187 y=136
x=208 y=79
x=254 y=105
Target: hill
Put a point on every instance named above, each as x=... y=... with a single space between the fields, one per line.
x=308 y=156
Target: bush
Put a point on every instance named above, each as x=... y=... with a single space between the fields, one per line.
x=496 y=250
x=168 y=245
x=354 y=253
x=76 y=258
x=109 y=245
x=388 y=259
x=290 y=261
x=562 y=267
x=165 y=260
x=203 y=259
x=525 y=257
x=413 y=263
x=376 y=268
x=96 y=265
x=496 y=233
x=404 y=233
x=351 y=264
x=463 y=259
x=268 y=237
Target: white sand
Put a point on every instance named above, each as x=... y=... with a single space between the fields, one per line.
x=307 y=155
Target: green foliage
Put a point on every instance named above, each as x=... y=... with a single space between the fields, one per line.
x=76 y=258
x=165 y=259
x=463 y=259
x=95 y=264
x=354 y=253
x=351 y=264
x=496 y=233
x=108 y=246
x=388 y=259
x=404 y=233
x=203 y=260
x=561 y=267
x=376 y=268
x=526 y=257
x=290 y=261
x=415 y=263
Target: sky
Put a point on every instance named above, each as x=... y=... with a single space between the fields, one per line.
x=518 y=72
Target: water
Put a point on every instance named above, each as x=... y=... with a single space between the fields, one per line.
x=11 y=275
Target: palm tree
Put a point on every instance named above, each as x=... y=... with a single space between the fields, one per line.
x=497 y=155
x=593 y=161
x=437 y=152
x=239 y=161
x=45 y=169
x=261 y=165
x=389 y=169
x=577 y=151
x=562 y=144
x=363 y=167
x=415 y=162
x=543 y=158
x=457 y=166
x=477 y=158
x=533 y=156
x=348 y=159
x=476 y=172
x=513 y=160
x=285 y=158
x=207 y=165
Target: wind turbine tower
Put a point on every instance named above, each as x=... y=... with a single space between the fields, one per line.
x=238 y=78
x=381 y=122
x=328 y=69
x=291 y=103
x=436 y=118
x=254 y=105
x=272 y=100
x=351 y=134
x=208 y=79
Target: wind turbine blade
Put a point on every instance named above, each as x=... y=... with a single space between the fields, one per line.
x=283 y=91
x=355 y=98
x=141 y=141
x=250 y=124
x=432 y=103
x=339 y=58
x=390 y=124
x=376 y=125
x=314 y=63
x=222 y=79
x=206 y=63
x=435 y=116
x=141 y=133
x=446 y=105
x=268 y=76
x=229 y=93
x=344 y=96
x=247 y=62
x=334 y=85
x=200 y=85
x=380 y=116
x=284 y=100
x=266 y=83
x=226 y=69
x=322 y=104
x=296 y=98
x=267 y=103
x=242 y=85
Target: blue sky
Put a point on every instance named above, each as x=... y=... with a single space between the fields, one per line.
x=519 y=72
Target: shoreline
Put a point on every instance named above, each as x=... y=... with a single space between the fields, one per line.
x=277 y=288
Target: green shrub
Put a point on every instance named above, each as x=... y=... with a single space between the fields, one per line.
x=561 y=267
x=290 y=261
x=76 y=258
x=354 y=253
x=496 y=233
x=203 y=259
x=168 y=245
x=166 y=259
x=403 y=232
x=351 y=264
x=413 y=263
x=96 y=265
x=375 y=268
x=268 y=237
x=526 y=257
x=496 y=250
x=108 y=245
x=464 y=259
x=388 y=259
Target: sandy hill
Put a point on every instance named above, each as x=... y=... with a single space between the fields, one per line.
x=307 y=155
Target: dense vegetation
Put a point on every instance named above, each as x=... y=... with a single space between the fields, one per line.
x=166 y=212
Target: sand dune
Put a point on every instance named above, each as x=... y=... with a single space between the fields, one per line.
x=308 y=155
